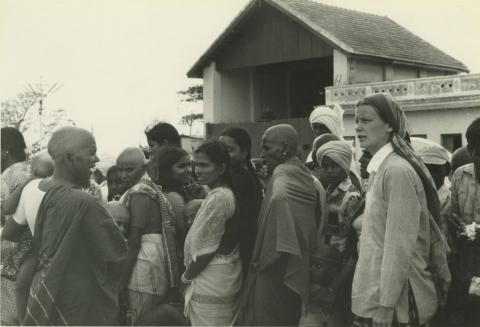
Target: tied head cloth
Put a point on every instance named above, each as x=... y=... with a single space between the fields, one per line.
x=339 y=151
x=331 y=118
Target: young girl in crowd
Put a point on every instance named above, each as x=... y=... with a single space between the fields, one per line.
x=213 y=272
x=339 y=248
x=248 y=187
x=114 y=184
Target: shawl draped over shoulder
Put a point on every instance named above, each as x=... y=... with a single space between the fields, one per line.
x=287 y=224
x=81 y=257
x=205 y=235
x=147 y=187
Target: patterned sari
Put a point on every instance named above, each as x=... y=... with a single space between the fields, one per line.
x=12 y=253
x=156 y=268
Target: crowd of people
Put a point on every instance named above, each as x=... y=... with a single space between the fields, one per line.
x=391 y=238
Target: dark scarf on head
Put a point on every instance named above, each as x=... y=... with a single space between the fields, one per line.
x=391 y=113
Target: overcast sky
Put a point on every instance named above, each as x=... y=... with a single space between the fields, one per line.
x=122 y=62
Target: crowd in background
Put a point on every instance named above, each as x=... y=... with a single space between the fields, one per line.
x=162 y=237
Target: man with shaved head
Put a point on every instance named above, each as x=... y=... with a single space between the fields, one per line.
x=81 y=252
x=279 y=276
x=42 y=165
x=151 y=265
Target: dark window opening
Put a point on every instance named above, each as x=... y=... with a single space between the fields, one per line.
x=292 y=89
x=307 y=86
x=451 y=142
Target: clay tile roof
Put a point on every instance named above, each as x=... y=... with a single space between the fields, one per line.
x=353 y=32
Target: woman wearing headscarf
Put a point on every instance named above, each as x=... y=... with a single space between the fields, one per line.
x=334 y=260
x=325 y=120
x=401 y=247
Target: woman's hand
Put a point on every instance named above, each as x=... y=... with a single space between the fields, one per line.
x=383 y=317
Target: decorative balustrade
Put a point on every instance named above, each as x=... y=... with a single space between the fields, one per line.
x=411 y=89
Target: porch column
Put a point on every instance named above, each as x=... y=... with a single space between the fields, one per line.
x=212 y=94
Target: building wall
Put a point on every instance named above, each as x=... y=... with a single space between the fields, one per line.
x=268 y=36
x=432 y=123
x=211 y=93
x=227 y=95
x=362 y=71
x=371 y=71
x=340 y=68
x=236 y=101
x=432 y=73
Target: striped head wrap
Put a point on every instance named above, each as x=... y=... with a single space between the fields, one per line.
x=339 y=151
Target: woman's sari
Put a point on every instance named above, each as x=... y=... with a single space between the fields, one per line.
x=212 y=297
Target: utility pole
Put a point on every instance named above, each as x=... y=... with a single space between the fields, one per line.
x=41 y=91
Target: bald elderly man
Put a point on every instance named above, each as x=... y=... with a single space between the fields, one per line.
x=151 y=266
x=42 y=165
x=80 y=250
x=279 y=276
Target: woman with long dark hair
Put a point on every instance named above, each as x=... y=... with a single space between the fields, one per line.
x=213 y=271
x=248 y=189
x=173 y=173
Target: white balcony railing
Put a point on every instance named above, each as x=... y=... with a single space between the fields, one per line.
x=405 y=90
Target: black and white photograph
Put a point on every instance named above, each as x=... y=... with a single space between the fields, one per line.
x=310 y=163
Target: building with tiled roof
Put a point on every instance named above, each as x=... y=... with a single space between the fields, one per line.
x=349 y=31
x=283 y=57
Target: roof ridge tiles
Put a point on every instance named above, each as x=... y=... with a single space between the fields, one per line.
x=336 y=7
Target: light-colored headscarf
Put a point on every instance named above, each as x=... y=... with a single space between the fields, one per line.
x=392 y=114
x=434 y=155
x=339 y=151
x=331 y=118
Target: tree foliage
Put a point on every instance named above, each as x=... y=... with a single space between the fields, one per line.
x=22 y=112
x=190 y=119
x=15 y=110
x=193 y=93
